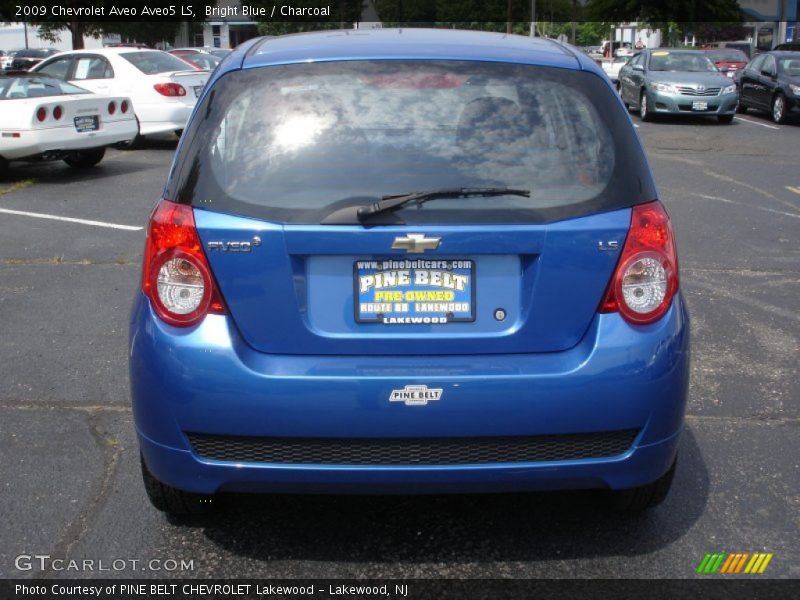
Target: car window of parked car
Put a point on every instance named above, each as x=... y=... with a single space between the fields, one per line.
x=92 y=67
x=58 y=67
x=12 y=88
x=292 y=143
x=789 y=66
x=755 y=64
x=154 y=62
x=664 y=60
x=769 y=65
x=728 y=56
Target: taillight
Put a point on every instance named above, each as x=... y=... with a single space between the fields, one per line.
x=41 y=114
x=123 y=107
x=175 y=275
x=646 y=277
x=112 y=107
x=58 y=112
x=170 y=89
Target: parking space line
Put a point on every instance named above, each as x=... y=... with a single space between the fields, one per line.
x=23 y=213
x=756 y=123
x=729 y=201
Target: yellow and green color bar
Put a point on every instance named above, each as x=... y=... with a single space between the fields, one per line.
x=735 y=562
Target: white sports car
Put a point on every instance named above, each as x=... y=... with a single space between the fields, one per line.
x=42 y=118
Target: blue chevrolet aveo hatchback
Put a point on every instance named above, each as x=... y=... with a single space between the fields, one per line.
x=408 y=261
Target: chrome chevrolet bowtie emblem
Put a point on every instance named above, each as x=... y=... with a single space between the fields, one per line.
x=415 y=243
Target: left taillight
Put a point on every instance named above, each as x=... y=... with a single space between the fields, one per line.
x=175 y=275
x=646 y=278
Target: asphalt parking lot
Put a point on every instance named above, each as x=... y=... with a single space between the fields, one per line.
x=70 y=473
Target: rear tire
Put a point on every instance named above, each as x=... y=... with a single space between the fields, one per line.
x=3 y=168
x=173 y=501
x=644 y=497
x=85 y=158
x=644 y=108
x=725 y=119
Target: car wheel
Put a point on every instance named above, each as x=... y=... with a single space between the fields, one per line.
x=644 y=497
x=85 y=158
x=3 y=168
x=779 y=108
x=644 y=109
x=171 y=500
x=725 y=119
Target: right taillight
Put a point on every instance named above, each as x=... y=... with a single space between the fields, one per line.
x=646 y=277
x=170 y=89
x=176 y=276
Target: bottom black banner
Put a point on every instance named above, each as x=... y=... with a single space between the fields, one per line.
x=398 y=589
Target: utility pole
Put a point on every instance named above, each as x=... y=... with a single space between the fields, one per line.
x=25 y=25
x=574 y=10
x=533 y=18
x=508 y=16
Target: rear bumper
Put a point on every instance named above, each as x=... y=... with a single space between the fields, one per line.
x=162 y=117
x=206 y=380
x=35 y=142
x=724 y=104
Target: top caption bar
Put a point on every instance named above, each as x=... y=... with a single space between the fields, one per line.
x=388 y=12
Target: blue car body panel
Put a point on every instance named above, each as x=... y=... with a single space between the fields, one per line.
x=207 y=379
x=548 y=278
x=554 y=365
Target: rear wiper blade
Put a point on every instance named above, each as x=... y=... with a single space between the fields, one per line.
x=387 y=203
x=354 y=215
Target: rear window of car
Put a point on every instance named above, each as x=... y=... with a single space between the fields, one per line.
x=728 y=55
x=294 y=143
x=33 y=53
x=154 y=62
x=13 y=88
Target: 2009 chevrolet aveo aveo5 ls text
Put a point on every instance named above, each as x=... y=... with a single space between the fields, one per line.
x=408 y=261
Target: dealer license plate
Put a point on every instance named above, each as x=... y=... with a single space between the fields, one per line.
x=87 y=123
x=699 y=105
x=414 y=291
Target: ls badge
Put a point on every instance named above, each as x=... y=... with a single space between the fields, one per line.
x=415 y=395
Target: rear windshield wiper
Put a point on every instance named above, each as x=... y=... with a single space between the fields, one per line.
x=357 y=214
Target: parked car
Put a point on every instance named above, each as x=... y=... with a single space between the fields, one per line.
x=771 y=82
x=42 y=118
x=677 y=82
x=742 y=45
x=612 y=68
x=162 y=87
x=727 y=60
x=427 y=262
x=26 y=59
x=7 y=58
x=625 y=50
x=788 y=46
x=200 y=60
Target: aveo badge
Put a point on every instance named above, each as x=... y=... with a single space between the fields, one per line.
x=415 y=395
